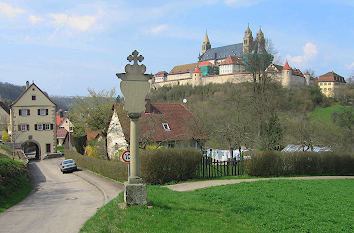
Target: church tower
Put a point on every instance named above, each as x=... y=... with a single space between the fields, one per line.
x=261 y=41
x=248 y=41
x=206 y=44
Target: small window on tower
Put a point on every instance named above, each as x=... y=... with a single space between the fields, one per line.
x=33 y=97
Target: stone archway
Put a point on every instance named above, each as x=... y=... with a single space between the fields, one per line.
x=32 y=149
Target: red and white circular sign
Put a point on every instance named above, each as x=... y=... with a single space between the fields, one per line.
x=126 y=156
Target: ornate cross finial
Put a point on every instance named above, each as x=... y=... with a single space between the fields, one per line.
x=135 y=57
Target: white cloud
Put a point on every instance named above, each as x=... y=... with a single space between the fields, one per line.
x=310 y=51
x=241 y=3
x=81 y=23
x=350 y=66
x=34 y=19
x=158 y=29
x=8 y=10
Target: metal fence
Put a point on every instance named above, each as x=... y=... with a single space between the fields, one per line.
x=210 y=168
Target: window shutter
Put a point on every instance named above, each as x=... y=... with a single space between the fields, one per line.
x=51 y=126
x=19 y=112
x=35 y=126
x=39 y=112
x=28 y=112
x=27 y=127
x=43 y=126
x=46 y=112
x=19 y=127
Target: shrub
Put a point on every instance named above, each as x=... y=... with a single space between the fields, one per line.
x=5 y=136
x=157 y=166
x=300 y=163
x=116 y=170
x=91 y=151
x=164 y=165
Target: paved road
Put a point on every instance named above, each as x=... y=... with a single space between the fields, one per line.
x=190 y=186
x=59 y=202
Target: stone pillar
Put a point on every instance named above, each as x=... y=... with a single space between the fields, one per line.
x=134 y=177
x=134 y=87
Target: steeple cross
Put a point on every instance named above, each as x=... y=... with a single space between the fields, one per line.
x=135 y=57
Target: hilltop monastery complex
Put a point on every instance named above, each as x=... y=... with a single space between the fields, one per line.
x=225 y=64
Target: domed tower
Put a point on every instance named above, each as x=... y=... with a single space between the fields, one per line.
x=206 y=44
x=261 y=41
x=287 y=73
x=248 y=41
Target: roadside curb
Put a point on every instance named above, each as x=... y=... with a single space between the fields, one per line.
x=106 y=199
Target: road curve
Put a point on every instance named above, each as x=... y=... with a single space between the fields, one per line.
x=59 y=202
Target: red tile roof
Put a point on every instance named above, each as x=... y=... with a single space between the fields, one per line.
x=161 y=74
x=182 y=69
x=90 y=134
x=232 y=60
x=286 y=66
x=59 y=120
x=181 y=121
x=61 y=133
x=205 y=63
x=331 y=77
x=197 y=70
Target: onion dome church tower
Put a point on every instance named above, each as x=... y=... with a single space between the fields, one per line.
x=206 y=44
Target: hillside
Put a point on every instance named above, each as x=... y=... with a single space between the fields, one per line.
x=325 y=114
x=10 y=92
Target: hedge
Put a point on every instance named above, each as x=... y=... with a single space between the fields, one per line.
x=116 y=170
x=156 y=166
x=165 y=165
x=300 y=163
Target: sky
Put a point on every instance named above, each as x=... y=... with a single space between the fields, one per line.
x=68 y=46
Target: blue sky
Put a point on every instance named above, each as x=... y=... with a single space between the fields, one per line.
x=67 y=46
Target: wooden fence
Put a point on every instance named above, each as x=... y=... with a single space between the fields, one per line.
x=210 y=168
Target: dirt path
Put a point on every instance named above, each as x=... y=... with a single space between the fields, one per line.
x=190 y=186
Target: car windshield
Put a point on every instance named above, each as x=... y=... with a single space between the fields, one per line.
x=68 y=161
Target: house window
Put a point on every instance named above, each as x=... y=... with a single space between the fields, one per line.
x=166 y=127
x=39 y=126
x=325 y=89
x=325 y=84
x=47 y=148
x=70 y=128
x=33 y=97
x=171 y=144
x=329 y=89
x=23 y=127
x=321 y=84
x=47 y=126
x=42 y=112
x=24 y=112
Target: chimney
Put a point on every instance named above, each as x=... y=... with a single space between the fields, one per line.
x=27 y=85
x=148 y=107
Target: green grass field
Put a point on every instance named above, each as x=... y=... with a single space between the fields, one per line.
x=264 y=206
x=324 y=114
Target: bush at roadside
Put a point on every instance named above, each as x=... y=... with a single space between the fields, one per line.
x=116 y=170
x=165 y=165
x=157 y=166
x=14 y=182
x=274 y=163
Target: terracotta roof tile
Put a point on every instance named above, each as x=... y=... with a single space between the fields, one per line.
x=179 y=119
x=232 y=60
x=205 y=63
x=61 y=133
x=59 y=120
x=181 y=69
x=90 y=134
x=197 y=70
x=161 y=74
x=286 y=66
x=331 y=77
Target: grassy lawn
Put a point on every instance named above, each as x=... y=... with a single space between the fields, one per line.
x=324 y=114
x=14 y=183
x=264 y=206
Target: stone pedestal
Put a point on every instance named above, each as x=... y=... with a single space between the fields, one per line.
x=135 y=194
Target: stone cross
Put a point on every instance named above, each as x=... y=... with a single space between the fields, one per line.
x=134 y=87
